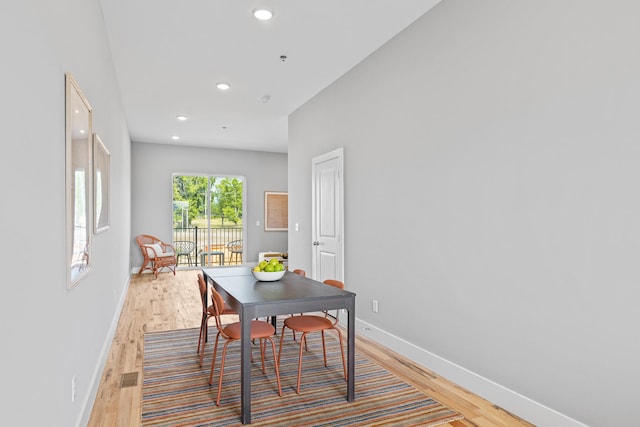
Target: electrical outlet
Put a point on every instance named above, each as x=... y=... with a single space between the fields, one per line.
x=374 y=305
x=74 y=383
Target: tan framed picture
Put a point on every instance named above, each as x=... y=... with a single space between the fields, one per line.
x=276 y=211
x=101 y=177
x=79 y=216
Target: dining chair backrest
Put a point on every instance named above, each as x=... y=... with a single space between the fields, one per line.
x=300 y=272
x=202 y=284
x=218 y=307
x=336 y=283
x=206 y=315
x=218 y=302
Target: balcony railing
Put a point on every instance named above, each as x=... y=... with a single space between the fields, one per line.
x=209 y=246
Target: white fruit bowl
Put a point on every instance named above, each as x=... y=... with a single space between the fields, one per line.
x=265 y=276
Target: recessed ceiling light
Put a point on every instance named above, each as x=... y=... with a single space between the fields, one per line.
x=175 y=137
x=181 y=118
x=223 y=86
x=263 y=14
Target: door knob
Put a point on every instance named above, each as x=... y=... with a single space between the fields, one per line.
x=316 y=243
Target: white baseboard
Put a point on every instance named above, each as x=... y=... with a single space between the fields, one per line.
x=87 y=404
x=510 y=400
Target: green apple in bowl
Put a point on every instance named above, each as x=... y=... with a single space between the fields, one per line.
x=268 y=276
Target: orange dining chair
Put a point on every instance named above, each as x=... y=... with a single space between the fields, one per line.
x=207 y=313
x=307 y=323
x=232 y=332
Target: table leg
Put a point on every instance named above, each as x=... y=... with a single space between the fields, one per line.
x=351 y=349
x=245 y=361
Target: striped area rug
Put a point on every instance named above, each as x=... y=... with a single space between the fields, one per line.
x=175 y=389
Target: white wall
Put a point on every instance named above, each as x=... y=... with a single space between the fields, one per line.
x=491 y=170
x=50 y=333
x=152 y=172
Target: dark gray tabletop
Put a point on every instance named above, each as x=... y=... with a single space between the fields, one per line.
x=291 y=287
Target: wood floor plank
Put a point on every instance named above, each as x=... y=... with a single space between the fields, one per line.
x=172 y=302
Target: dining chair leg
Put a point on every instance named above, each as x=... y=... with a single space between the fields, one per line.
x=200 y=336
x=205 y=328
x=200 y=350
x=303 y=339
x=324 y=349
x=224 y=353
x=213 y=360
x=263 y=346
x=275 y=362
x=214 y=350
x=281 y=341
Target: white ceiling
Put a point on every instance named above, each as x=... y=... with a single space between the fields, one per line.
x=169 y=55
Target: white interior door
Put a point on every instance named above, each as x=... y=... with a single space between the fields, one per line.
x=328 y=216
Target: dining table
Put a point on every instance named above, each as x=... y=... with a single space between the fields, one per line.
x=252 y=298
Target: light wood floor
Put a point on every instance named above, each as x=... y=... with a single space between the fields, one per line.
x=172 y=302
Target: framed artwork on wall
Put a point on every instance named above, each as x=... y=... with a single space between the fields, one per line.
x=78 y=146
x=101 y=178
x=276 y=211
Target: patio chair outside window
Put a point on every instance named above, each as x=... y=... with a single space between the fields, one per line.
x=184 y=248
x=235 y=249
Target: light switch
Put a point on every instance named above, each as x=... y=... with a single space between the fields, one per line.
x=257 y=223
x=297 y=227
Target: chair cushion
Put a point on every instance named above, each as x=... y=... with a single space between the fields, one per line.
x=308 y=323
x=158 y=248
x=169 y=252
x=259 y=329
